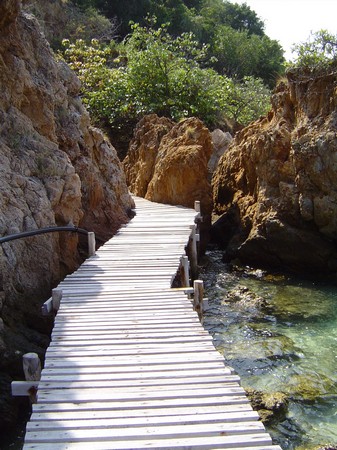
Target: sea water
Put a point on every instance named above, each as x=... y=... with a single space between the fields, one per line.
x=280 y=335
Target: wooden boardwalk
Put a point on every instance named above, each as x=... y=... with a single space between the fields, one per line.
x=129 y=365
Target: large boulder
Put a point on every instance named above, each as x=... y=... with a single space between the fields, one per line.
x=275 y=187
x=139 y=163
x=56 y=169
x=180 y=173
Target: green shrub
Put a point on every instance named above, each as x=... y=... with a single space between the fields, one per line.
x=157 y=73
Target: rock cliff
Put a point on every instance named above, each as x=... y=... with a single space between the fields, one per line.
x=139 y=163
x=55 y=170
x=276 y=186
x=167 y=162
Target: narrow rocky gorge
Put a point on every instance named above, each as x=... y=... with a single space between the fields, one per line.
x=273 y=191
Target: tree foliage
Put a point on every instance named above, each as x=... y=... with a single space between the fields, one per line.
x=234 y=32
x=154 y=72
x=320 y=50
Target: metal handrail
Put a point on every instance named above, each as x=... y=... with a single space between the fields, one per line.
x=12 y=237
x=71 y=229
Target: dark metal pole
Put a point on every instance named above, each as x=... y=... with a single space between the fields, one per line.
x=12 y=237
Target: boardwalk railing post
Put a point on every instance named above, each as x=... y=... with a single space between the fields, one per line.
x=198 y=286
x=32 y=370
x=31 y=366
x=194 y=252
x=185 y=271
x=56 y=298
x=91 y=243
x=197 y=207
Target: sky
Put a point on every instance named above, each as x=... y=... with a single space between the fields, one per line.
x=291 y=21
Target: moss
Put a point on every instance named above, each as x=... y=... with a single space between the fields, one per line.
x=271 y=406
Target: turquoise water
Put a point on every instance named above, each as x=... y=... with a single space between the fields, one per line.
x=280 y=335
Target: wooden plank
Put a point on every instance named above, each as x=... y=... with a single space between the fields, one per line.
x=23 y=388
x=106 y=381
x=105 y=395
x=168 y=443
x=180 y=411
x=91 y=432
x=132 y=404
x=49 y=422
x=192 y=443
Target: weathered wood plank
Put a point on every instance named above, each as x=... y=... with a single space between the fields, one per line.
x=136 y=413
x=80 y=434
x=78 y=382
x=48 y=422
x=167 y=443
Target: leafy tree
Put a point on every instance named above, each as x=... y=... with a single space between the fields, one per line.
x=247 y=100
x=234 y=31
x=157 y=73
x=241 y=18
x=319 y=50
x=239 y=54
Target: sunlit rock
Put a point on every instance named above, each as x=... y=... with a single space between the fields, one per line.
x=275 y=187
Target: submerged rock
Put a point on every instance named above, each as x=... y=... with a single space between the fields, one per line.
x=310 y=387
x=270 y=406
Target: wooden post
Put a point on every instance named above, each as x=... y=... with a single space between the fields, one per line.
x=91 y=243
x=31 y=366
x=56 y=298
x=194 y=252
x=32 y=370
x=197 y=206
x=198 y=298
x=185 y=271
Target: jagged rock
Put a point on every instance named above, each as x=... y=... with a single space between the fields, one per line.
x=276 y=185
x=270 y=406
x=140 y=160
x=55 y=170
x=221 y=141
x=180 y=174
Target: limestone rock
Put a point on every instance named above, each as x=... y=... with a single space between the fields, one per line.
x=276 y=185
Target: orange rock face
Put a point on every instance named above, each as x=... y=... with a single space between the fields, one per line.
x=180 y=174
x=167 y=162
x=275 y=187
x=140 y=161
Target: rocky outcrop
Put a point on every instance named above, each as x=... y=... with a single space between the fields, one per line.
x=139 y=163
x=167 y=162
x=275 y=187
x=55 y=170
x=180 y=174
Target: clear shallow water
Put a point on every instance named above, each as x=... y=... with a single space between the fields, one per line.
x=280 y=335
